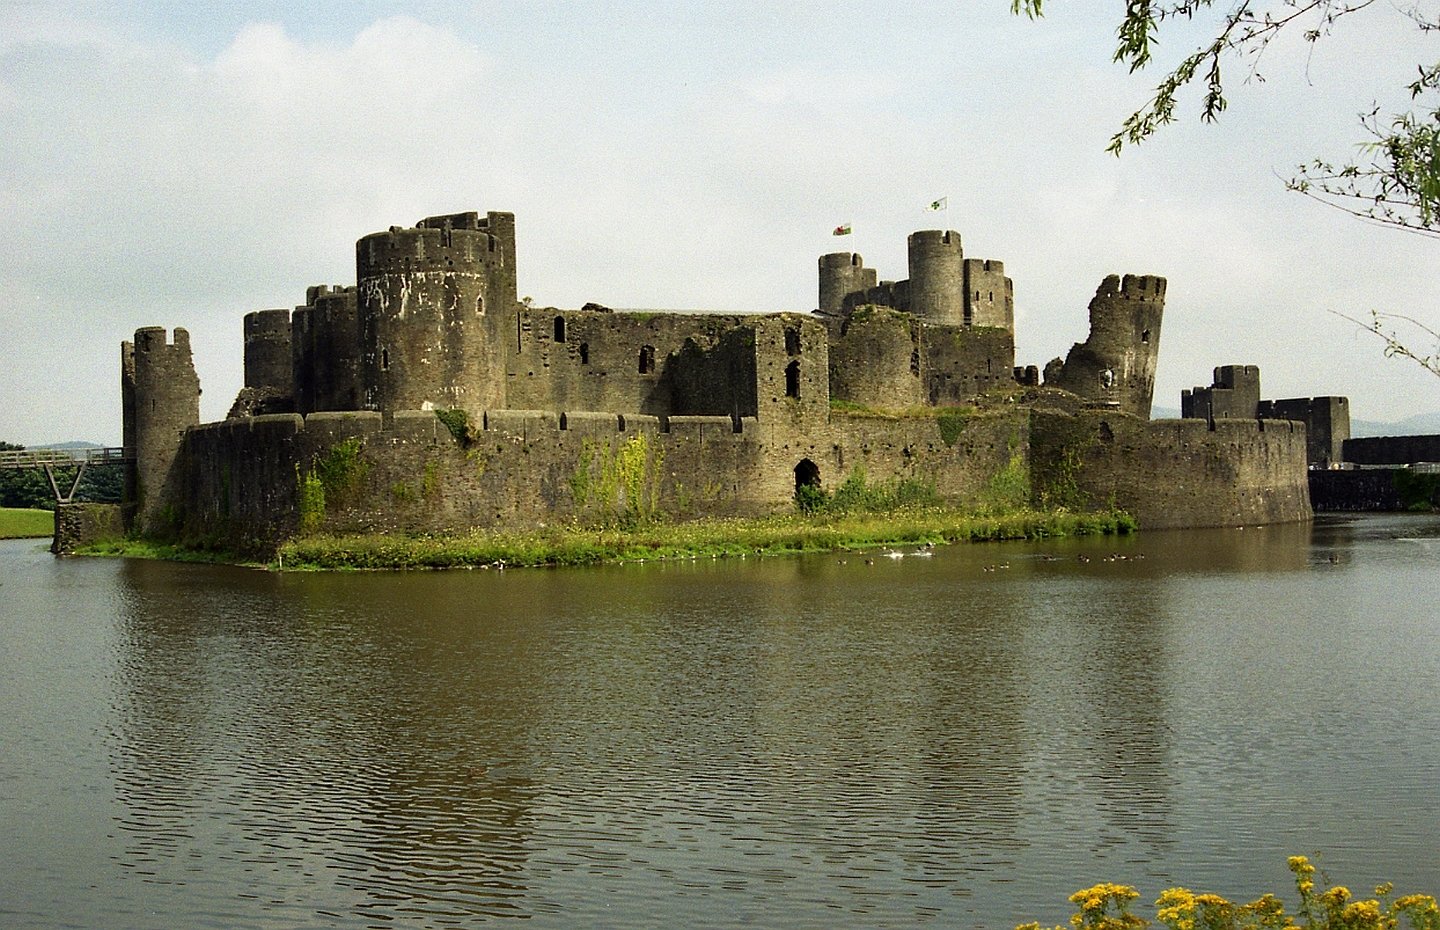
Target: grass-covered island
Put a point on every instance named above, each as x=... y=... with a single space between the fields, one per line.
x=816 y=531
x=20 y=523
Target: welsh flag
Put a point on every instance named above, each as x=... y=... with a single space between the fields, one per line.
x=843 y=230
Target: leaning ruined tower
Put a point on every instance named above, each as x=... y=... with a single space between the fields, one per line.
x=160 y=400
x=1115 y=366
x=434 y=303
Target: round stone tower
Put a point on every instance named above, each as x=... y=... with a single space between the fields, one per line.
x=841 y=275
x=937 y=276
x=432 y=306
x=160 y=399
x=267 y=351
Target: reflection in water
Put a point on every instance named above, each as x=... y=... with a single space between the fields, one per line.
x=966 y=735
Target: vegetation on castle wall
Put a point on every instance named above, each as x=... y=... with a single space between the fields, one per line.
x=333 y=478
x=1009 y=488
x=856 y=494
x=1056 y=464
x=458 y=423
x=310 y=498
x=430 y=480
x=1107 y=907
x=952 y=422
x=617 y=485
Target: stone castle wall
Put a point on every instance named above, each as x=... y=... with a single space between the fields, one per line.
x=244 y=480
x=1172 y=473
x=1392 y=450
x=892 y=360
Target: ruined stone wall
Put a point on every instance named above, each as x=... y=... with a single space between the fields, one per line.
x=962 y=362
x=1367 y=489
x=1172 y=473
x=792 y=373
x=875 y=360
x=433 y=303
x=652 y=363
x=1115 y=366
x=891 y=360
x=85 y=524
x=245 y=479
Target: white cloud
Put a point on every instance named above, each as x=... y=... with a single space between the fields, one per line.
x=664 y=159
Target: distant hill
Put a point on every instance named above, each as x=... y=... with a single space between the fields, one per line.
x=1422 y=424
x=73 y=444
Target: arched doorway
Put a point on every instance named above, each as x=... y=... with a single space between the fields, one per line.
x=809 y=496
x=807 y=475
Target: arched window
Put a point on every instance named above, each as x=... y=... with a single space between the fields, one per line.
x=792 y=379
x=584 y=353
x=559 y=329
x=647 y=359
x=479 y=304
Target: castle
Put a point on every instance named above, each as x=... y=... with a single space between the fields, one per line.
x=428 y=398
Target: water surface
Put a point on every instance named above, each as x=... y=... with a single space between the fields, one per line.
x=961 y=738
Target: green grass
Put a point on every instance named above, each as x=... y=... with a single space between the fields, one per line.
x=23 y=524
x=163 y=551
x=702 y=539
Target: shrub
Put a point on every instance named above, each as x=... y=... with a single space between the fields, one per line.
x=1107 y=907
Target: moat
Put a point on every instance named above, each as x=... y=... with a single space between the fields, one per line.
x=961 y=738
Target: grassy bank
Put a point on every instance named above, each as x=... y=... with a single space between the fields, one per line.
x=168 y=552
x=705 y=539
x=23 y=524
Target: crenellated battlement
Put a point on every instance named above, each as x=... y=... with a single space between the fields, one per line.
x=316 y=291
x=986 y=265
x=935 y=240
x=1132 y=287
x=832 y=260
x=150 y=339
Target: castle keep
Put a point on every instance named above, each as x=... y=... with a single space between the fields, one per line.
x=427 y=397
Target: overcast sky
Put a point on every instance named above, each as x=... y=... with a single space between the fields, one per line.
x=181 y=164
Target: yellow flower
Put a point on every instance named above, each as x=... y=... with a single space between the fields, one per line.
x=1363 y=910
x=1336 y=896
